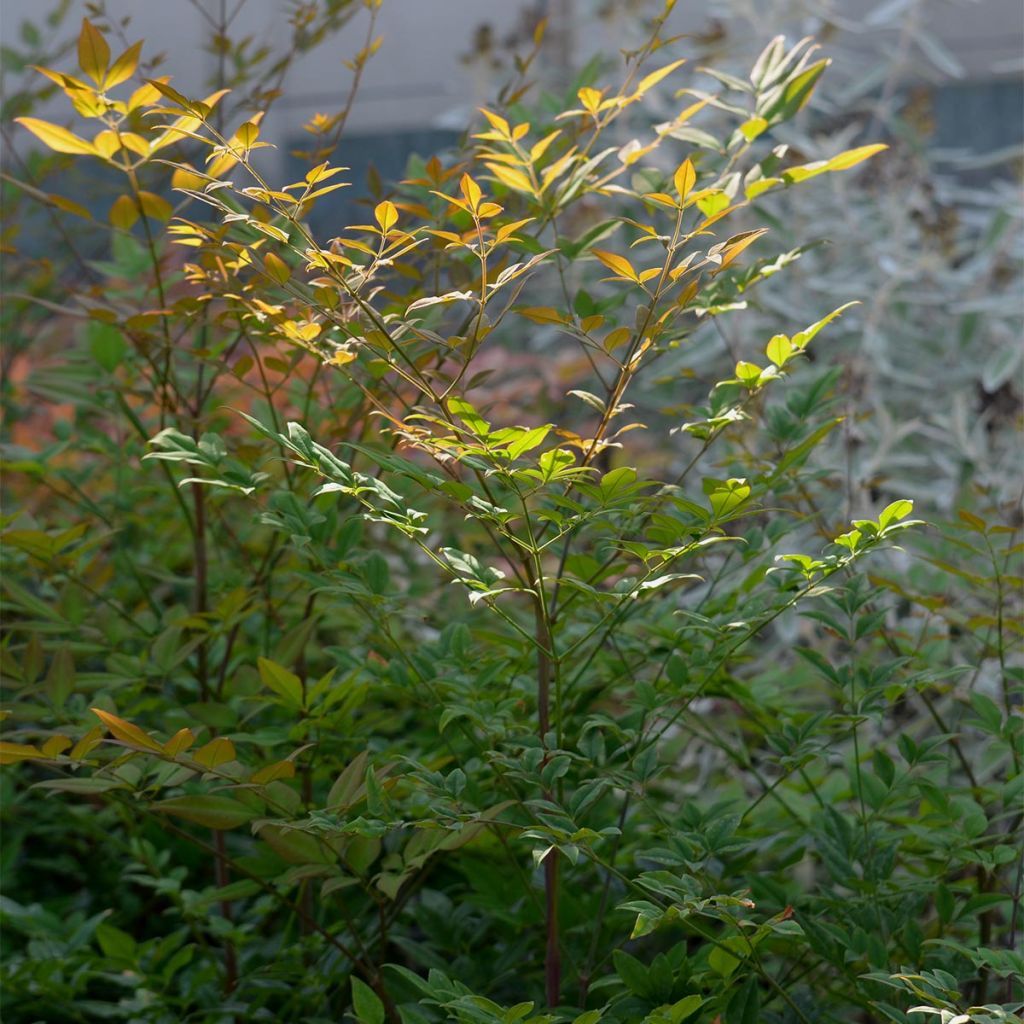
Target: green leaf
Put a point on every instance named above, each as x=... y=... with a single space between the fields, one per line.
x=745 y=1005
x=92 y=785
x=284 y=683
x=527 y=441
x=722 y=959
x=216 y=812
x=465 y=412
x=631 y=971
x=366 y=1003
x=779 y=349
x=116 y=944
x=895 y=512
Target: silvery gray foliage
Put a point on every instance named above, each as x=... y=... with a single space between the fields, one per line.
x=932 y=246
x=933 y=241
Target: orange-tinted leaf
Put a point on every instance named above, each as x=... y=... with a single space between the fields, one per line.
x=12 y=753
x=56 y=745
x=126 y=732
x=734 y=250
x=179 y=742
x=543 y=315
x=276 y=268
x=88 y=742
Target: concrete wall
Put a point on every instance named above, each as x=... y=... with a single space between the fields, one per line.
x=419 y=80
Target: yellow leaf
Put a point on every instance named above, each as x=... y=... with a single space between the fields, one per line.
x=300 y=332
x=538 y=149
x=145 y=96
x=272 y=772
x=126 y=732
x=685 y=178
x=655 y=77
x=616 y=338
x=732 y=251
x=124 y=213
x=543 y=315
x=247 y=134
x=60 y=140
x=69 y=205
x=617 y=264
x=511 y=177
x=183 y=179
x=155 y=206
x=179 y=742
x=342 y=357
x=447 y=236
x=222 y=165
x=507 y=230
x=106 y=143
x=186 y=123
x=56 y=745
x=136 y=143
x=11 y=753
x=124 y=67
x=687 y=294
x=852 y=157
x=88 y=742
x=93 y=52
x=520 y=130
x=499 y=124
x=590 y=98
x=386 y=216
x=471 y=190
x=753 y=127
x=215 y=753
x=276 y=268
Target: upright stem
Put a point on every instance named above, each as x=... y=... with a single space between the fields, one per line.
x=200 y=572
x=220 y=869
x=552 y=950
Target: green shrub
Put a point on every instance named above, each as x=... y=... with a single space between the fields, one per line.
x=643 y=760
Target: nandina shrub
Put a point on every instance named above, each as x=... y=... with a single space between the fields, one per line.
x=636 y=762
